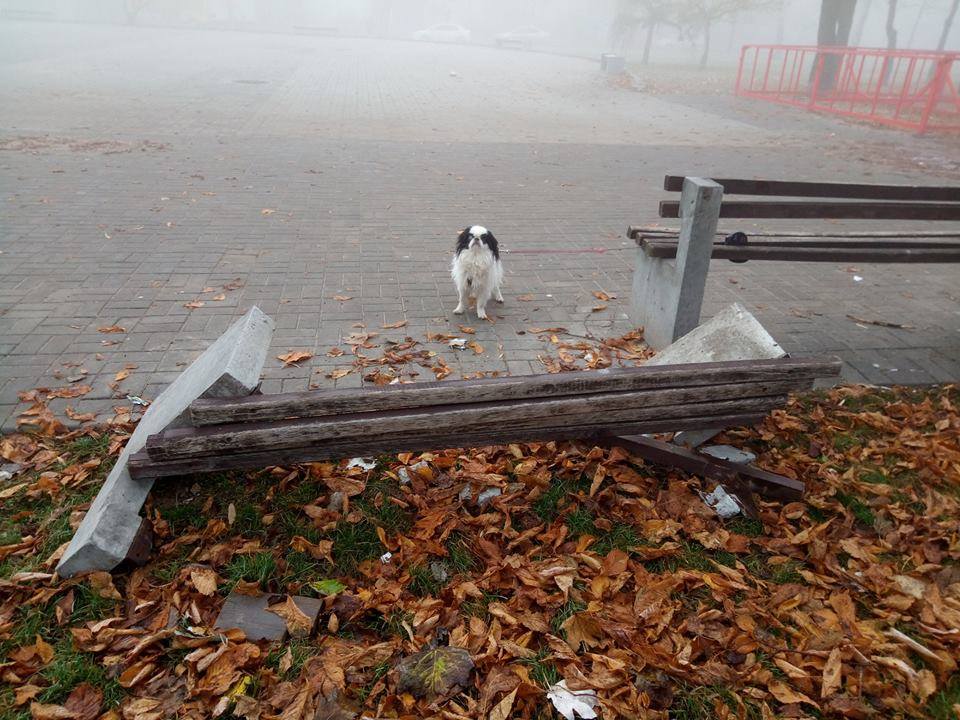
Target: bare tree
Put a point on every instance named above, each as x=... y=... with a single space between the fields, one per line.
x=631 y=15
x=132 y=8
x=699 y=16
x=948 y=24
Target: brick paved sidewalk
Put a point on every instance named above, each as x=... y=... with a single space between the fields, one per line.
x=337 y=171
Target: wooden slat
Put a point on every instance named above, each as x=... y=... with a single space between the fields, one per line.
x=142 y=466
x=323 y=403
x=827 y=210
x=834 y=244
x=635 y=232
x=835 y=253
x=860 y=191
x=586 y=409
x=760 y=481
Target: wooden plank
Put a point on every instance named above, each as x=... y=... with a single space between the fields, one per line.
x=850 y=191
x=835 y=253
x=827 y=210
x=142 y=466
x=636 y=232
x=323 y=403
x=760 y=481
x=829 y=244
x=675 y=402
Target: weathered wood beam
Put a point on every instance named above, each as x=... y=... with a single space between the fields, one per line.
x=839 y=252
x=323 y=403
x=762 y=482
x=142 y=466
x=635 y=232
x=792 y=188
x=586 y=409
x=827 y=210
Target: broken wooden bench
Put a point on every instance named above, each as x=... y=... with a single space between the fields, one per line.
x=672 y=264
x=263 y=430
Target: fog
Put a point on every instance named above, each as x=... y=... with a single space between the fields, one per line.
x=576 y=27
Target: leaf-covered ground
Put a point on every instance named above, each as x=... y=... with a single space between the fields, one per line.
x=587 y=566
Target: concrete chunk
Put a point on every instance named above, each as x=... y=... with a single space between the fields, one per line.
x=732 y=334
x=229 y=367
x=250 y=614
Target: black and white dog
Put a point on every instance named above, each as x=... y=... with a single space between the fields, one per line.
x=476 y=269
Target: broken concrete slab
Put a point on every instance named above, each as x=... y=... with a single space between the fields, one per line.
x=229 y=367
x=250 y=614
x=732 y=334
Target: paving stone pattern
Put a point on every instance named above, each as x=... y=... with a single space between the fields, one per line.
x=139 y=167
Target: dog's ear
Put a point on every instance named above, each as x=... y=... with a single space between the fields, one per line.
x=463 y=240
x=491 y=242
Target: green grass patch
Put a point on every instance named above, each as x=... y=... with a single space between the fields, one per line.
x=542 y=670
x=698 y=703
x=259 y=568
x=70 y=668
x=86 y=447
x=460 y=555
x=564 y=612
x=580 y=522
x=555 y=498
x=618 y=537
x=692 y=556
x=480 y=607
x=300 y=650
x=299 y=569
x=182 y=517
x=353 y=543
x=745 y=526
x=423 y=582
x=940 y=705
x=379 y=671
x=390 y=625
x=376 y=504
x=860 y=510
x=248 y=520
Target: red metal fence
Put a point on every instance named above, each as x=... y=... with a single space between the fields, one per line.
x=902 y=88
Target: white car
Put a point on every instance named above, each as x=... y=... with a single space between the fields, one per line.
x=445 y=32
x=525 y=37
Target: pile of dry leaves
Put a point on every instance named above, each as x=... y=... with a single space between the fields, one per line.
x=547 y=563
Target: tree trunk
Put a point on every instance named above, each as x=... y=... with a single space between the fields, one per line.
x=891 y=24
x=648 y=42
x=947 y=25
x=891 y=38
x=836 y=21
x=706 y=43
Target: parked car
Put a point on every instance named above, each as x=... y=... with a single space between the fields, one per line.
x=525 y=37
x=444 y=32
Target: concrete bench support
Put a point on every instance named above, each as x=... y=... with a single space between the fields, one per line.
x=229 y=367
x=668 y=293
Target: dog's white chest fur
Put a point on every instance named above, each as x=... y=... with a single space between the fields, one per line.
x=473 y=267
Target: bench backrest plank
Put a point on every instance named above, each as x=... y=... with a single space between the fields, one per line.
x=849 y=191
x=325 y=403
x=826 y=210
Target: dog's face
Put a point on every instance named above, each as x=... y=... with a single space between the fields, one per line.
x=476 y=236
